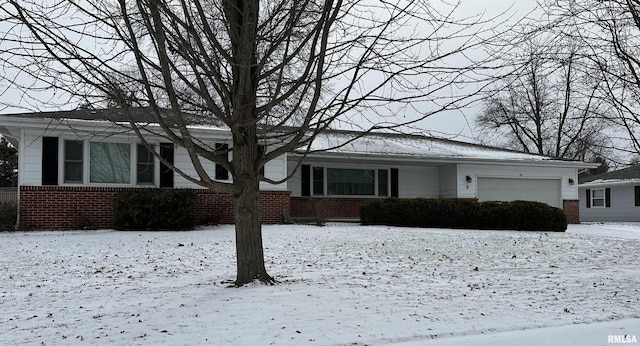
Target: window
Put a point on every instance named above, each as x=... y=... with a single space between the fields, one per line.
x=221 y=172
x=318 y=181
x=637 y=194
x=597 y=198
x=85 y=162
x=73 y=155
x=109 y=163
x=145 y=166
x=360 y=182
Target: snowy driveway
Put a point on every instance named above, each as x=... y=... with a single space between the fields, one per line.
x=340 y=285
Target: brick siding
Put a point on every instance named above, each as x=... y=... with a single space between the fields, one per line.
x=63 y=207
x=333 y=207
x=571 y=208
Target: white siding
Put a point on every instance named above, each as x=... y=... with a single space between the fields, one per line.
x=30 y=172
x=469 y=190
x=182 y=162
x=295 y=182
x=622 y=205
x=513 y=189
x=274 y=169
x=416 y=181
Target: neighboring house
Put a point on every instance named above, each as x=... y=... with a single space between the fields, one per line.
x=611 y=196
x=73 y=163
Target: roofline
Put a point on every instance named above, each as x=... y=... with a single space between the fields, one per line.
x=448 y=160
x=611 y=182
x=24 y=122
x=446 y=140
x=44 y=120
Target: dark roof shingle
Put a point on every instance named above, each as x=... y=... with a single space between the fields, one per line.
x=632 y=172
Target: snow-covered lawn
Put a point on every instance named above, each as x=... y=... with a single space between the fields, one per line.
x=339 y=285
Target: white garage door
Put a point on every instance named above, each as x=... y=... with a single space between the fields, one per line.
x=511 y=189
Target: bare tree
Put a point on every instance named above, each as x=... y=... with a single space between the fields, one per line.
x=276 y=73
x=609 y=31
x=549 y=105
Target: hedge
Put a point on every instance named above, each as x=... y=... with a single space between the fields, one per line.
x=155 y=209
x=457 y=213
x=8 y=216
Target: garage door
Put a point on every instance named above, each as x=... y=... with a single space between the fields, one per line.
x=510 y=189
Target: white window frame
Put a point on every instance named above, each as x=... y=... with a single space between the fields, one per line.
x=603 y=198
x=86 y=148
x=156 y=162
x=62 y=145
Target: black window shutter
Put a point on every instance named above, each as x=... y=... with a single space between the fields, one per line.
x=221 y=172
x=637 y=191
x=588 y=198
x=394 y=182
x=261 y=152
x=166 y=173
x=306 y=180
x=607 y=197
x=49 y=160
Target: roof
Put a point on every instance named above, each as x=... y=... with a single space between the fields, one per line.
x=118 y=115
x=626 y=175
x=332 y=142
x=420 y=147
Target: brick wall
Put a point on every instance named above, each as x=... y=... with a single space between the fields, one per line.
x=333 y=207
x=571 y=208
x=219 y=206
x=62 y=207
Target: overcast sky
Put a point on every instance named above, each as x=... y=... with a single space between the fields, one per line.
x=459 y=124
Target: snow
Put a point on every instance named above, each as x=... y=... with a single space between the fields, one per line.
x=416 y=146
x=343 y=284
x=598 y=182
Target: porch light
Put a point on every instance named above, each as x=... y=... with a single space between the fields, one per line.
x=469 y=179
x=571 y=181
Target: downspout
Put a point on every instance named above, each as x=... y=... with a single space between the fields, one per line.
x=21 y=163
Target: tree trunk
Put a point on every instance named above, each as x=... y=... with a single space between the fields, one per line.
x=249 y=253
x=243 y=18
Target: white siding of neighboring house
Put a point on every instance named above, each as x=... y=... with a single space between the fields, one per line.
x=622 y=205
x=469 y=190
x=449 y=181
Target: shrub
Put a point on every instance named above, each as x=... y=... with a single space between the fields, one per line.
x=155 y=209
x=455 y=213
x=8 y=216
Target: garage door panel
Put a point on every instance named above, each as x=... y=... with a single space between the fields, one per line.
x=512 y=189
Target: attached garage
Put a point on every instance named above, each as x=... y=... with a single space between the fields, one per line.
x=526 y=189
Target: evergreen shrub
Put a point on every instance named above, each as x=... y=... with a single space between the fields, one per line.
x=458 y=213
x=8 y=216
x=155 y=209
